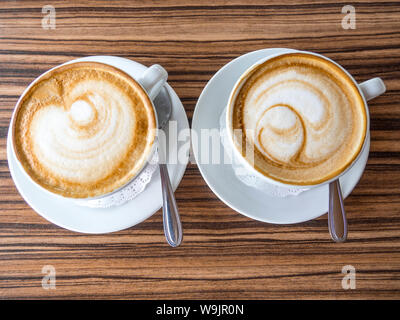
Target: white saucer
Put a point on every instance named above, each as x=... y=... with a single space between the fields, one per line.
x=65 y=213
x=221 y=178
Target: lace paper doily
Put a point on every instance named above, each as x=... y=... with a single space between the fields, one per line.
x=130 y=191
x=246 y=176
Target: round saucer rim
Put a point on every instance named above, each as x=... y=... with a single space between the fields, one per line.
x=102 y=229
x=269 y=51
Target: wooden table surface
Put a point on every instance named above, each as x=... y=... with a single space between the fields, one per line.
x=224 y=255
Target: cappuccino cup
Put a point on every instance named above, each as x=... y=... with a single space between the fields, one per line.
x=299 y=119
x=85 y=129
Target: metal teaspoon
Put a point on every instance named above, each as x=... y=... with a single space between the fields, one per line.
x=337 y=221
x=171 y=219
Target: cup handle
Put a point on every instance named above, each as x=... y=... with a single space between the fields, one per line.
x=372 y=88
x=153 y=79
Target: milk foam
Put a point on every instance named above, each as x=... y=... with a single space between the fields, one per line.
x=322 y=111
x=82 y=112
x=79 y=154
x=86 y=133
x=302 y=120
x=279 y=134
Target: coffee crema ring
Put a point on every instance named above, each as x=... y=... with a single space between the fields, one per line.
x=84 y=130
x=303 y=115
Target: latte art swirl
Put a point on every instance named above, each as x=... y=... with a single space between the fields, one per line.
x=85 y=131
x=293 y=111
x=97 y=128
x=303 y=117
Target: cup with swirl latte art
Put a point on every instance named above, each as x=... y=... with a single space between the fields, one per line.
x=299 y=118
x=86 y=129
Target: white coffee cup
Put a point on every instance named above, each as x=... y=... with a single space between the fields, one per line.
x=368 y=90
x=151 y=80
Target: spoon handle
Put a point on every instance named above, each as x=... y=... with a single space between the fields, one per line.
x=336 y=215
x=171 y=220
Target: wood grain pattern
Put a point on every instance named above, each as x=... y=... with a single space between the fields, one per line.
x=224 y=255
